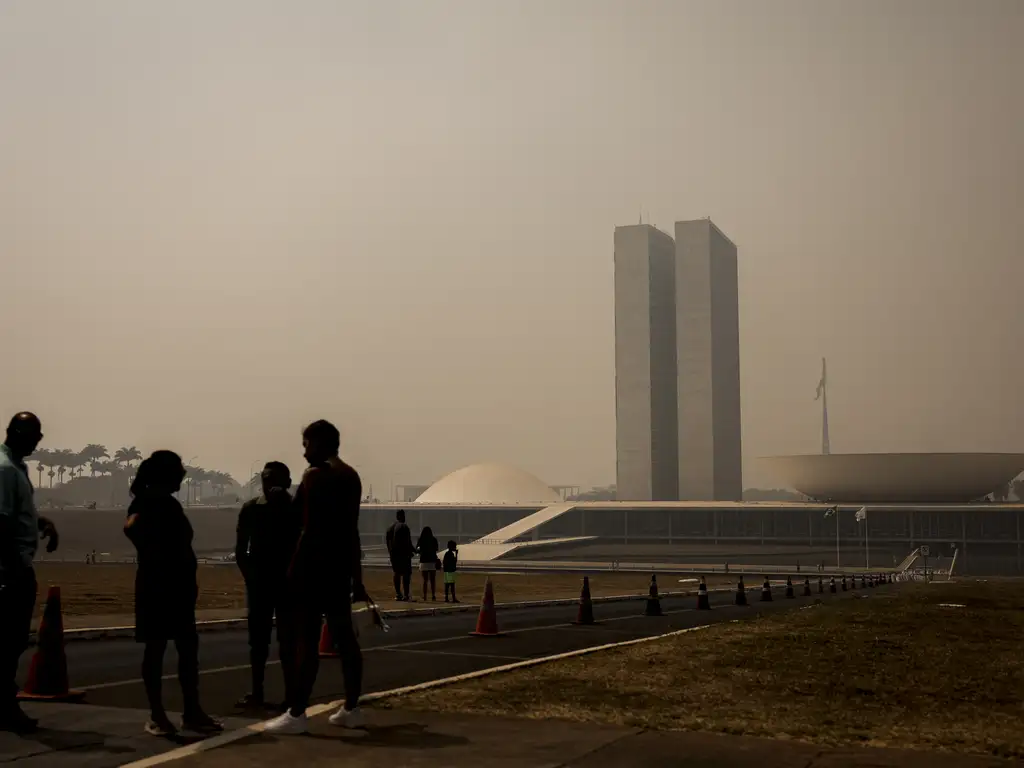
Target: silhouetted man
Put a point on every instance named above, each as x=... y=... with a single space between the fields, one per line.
x=325 y=567
x=400 y=552
x=264 y=544
x=20 y=530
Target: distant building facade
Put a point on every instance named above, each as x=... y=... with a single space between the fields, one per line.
x=677 y=385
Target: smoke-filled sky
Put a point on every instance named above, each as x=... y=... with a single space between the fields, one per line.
x=221 y=219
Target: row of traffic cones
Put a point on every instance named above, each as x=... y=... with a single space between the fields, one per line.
x=487 y=620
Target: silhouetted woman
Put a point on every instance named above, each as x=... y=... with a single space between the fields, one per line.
x=427 y=546
x=165 y=590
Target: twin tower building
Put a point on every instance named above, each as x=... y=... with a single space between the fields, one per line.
x=677 y=364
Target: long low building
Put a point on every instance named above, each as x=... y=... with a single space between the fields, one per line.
x=499 y=512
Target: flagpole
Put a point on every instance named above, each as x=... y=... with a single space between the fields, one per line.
x=837 y=537
x=867 y=545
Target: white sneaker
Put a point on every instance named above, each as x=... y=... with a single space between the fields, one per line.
x=287 y=725
x=348 y=718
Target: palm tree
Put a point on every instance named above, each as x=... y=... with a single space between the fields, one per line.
x=51 y=473
x=42 y=458
x=92 y=453
x=63 y=458
x=127 y=455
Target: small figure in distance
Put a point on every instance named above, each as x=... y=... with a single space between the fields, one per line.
x=427 y=546
x=166 y=590
x=451 y=561
x=265 y=538
x=324 y=578
x=400 y=552
x=21 y=527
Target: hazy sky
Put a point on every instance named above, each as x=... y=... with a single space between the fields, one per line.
x=222 y=219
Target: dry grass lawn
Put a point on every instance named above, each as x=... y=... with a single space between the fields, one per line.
x=894 y=669
x=108 y=589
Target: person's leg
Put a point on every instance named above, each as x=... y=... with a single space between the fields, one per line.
x=17 y=602
x=406 y=570
x=339 y=620
x=307 y=661
x=454 y=598
x=152 y=677
x=432 y=577
x=260 y=624
x=396 y=577
x=187 y=645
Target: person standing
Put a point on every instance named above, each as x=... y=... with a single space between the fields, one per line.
x=166 y=590
x=264 y=543
x=450 y=564
x=21 y=527
x=427 y=546
x=400 y=552
x=324 y=577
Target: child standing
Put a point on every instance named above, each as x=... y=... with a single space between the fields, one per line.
x=451 y=559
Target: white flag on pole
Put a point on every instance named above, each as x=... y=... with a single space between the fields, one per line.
x=861 y=515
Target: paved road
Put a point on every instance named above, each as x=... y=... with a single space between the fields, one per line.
x=415 y=650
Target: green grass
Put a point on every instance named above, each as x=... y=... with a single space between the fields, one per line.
x=895 y=669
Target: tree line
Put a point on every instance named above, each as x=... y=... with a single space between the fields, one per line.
x=64 y=465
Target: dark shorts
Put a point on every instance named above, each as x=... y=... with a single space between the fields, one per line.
x=263 y=604
x=164 y=612
x=402 y=566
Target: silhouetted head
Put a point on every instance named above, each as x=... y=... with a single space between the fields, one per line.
x=451 y=545
x=23 y=434
x=401 y=515
x=320 y=441
x=160 y=474
x=276 y=478
x=427 y=533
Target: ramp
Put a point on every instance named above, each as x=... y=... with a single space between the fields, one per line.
x=524 y=526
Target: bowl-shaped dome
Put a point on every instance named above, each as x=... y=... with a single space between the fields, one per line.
x=896 y=477
x=489 y=484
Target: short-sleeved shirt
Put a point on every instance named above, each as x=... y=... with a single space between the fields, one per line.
x=17 y=504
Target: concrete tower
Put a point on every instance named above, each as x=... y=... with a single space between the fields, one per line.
x=708 y=359
x=645 y=365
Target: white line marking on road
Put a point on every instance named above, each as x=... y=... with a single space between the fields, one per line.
x=464 y=654
x=392 y=646
x=320 y=709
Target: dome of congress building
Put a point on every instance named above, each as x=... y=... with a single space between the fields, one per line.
x=895 y=477
x=489 y=484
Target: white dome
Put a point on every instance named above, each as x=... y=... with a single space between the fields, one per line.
x=489 y=484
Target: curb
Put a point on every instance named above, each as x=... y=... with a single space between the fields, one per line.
x=115 y=633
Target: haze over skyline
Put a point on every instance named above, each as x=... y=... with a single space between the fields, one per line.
x=220 y=221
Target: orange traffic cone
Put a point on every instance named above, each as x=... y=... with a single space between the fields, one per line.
x=832 y=585
x=807 y=586
x=48 y=675
x=585 y=614
x=327 y=648
x=703 y=602
x=487 y=621
x=789 y=587
x=844 y=582
x=766 y=591
x=653 y=601
x=821 y=586
x=741 y=592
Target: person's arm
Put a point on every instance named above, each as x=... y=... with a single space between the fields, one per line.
x=358 y=589
x=48 y=532
x=10 y=555
x=243 y=535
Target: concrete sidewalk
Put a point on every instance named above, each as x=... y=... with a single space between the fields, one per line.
x=414 y=739
x=84 y=736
